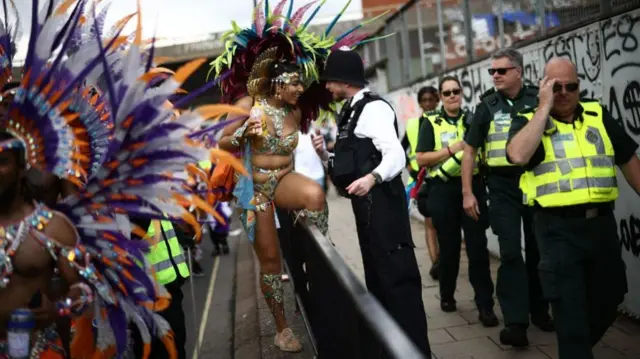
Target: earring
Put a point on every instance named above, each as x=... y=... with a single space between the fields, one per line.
x=278 y=96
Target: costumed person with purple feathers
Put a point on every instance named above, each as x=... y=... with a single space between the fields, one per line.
x=119 y=146
x=272 y=69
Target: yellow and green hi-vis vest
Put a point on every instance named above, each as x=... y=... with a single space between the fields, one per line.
x=160 y=257
x=413 y=129
x=579 y=165
x=447 y=134
x=501 y=109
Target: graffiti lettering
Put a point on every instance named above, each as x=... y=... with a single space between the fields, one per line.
x=630 y=235
x=631 y=102
x=619 y=38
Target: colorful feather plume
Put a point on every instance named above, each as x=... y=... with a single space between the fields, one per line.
x=294 y=42
x=89 y=109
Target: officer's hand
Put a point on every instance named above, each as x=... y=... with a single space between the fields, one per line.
x=457 y=147
x=470 y=205
x=362 y=186
x=318 y=144
x=545 y=93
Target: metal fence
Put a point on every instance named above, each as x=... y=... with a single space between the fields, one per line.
x=434 y=35
x=343 y=319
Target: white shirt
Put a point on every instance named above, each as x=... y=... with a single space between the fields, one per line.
x=307 y=161
x=377 y=123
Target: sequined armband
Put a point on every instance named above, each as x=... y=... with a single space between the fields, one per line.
x=236 y=138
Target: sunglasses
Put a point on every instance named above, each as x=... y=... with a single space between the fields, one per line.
x=500 y=71
x=448 y=93
x=569 y=87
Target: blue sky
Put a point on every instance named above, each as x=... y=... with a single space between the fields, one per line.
x=192 y=19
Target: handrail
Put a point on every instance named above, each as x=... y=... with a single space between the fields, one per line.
x=343 y=319
x=392 y=337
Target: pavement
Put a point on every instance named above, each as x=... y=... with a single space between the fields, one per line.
x=460 y=335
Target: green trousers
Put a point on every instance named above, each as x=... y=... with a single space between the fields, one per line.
x=582 y=275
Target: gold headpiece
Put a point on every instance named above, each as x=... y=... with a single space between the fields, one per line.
x=259 y=82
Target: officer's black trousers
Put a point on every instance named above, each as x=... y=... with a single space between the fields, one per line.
x=390 y=266
x=445 y=206
x=174 y=315
x=518 y=285
x=582 y=275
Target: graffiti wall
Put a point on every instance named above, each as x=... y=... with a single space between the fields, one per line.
x=607 y=55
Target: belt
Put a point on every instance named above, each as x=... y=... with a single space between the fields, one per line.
x=579 y=211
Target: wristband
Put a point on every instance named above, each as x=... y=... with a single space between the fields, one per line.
x=238 y=134
x=449 y=150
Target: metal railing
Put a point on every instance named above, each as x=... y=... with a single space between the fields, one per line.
x=434 y=35
x=343 y=319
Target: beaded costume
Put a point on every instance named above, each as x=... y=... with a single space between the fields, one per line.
x=85 y=111
x=277 y=36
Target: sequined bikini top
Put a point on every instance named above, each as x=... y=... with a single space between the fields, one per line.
x=274 y=144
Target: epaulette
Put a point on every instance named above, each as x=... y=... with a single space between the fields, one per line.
x=527 y=110
x=588 y=100
x=431 y=113
x=531 y=90
x=487 y=93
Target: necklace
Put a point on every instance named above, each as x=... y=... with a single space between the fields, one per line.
x=277 y=115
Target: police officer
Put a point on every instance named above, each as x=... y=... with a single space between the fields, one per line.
x=569 y=149
x=171 y=270
x=440 y=150
x=366 y=168
x=428 y=100
x=518 y=286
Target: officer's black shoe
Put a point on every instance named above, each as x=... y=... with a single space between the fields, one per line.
x=225 y=246
x=544 y=323
x=514 y=335
x=434 y=272
x=216 y=250
x=488 y=318
x=448 y=306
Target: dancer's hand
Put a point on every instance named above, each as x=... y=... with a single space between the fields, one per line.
x=254 y=123
x=318 y=144
x=362 y=186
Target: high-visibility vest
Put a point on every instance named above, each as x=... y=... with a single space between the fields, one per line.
x=579 y=165
x=161 y=255
x=501 y=110
x=447 y=134
x=205 y=165
x=413 y=129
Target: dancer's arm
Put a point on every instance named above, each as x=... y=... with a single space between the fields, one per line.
x=226 y=142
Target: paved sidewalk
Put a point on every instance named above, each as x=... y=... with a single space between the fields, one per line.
x=460 y=335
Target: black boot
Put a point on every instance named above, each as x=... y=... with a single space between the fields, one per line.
x=514 y=335
x=544 y=322
x=488 y=318
x=224 y=245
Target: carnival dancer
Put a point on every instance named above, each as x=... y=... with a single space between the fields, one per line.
x=87 y=236
x=273 y=69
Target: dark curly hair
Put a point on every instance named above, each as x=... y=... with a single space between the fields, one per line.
x=278 y=68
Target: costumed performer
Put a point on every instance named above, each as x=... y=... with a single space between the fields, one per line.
x=273 y=69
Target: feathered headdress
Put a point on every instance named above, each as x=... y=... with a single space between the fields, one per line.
x=59 y=112
x=291 y=37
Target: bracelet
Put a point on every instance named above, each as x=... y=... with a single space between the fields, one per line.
x=449 y=150
x=238 y=134
x=64 y=306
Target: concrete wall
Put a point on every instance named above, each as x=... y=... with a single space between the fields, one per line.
x=607 y=54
